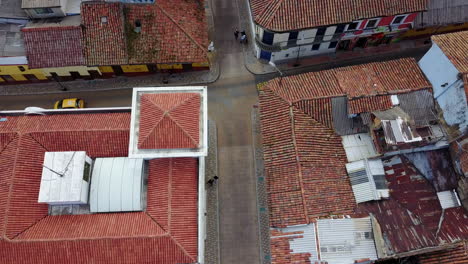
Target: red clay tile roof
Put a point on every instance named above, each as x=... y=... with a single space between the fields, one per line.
x=457 y=255
x=369 y=104
x=390 y=77
x=298 y=152
x=410 y=218
x=165 y=233
x=171 y=32
x=53 y=46
x=104 y=43
x=281 y=249
x=454 y=46
x=287 y=15
x=300 y=145
x=169 y=120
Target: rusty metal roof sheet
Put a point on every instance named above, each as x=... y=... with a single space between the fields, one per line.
x=412 y=218
x=342 y=123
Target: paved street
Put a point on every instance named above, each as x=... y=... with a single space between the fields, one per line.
x=230 y=103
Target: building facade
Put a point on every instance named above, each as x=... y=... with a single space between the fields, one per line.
x=292 y=32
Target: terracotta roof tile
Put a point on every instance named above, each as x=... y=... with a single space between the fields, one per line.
x=161 y=249
x=390 y=77
x=286 y=209
x=286 y=15
x=169 y=227
x=319 y=109
x=281 y=248
x=8 y=157
x=23 y=209
x=170 y=32
x=104 y=38
x=93 y=226
x=53 y=46
x=169 y=121
x=369 y=104
x=457 y=255
x=298 y=151
x=454 y=46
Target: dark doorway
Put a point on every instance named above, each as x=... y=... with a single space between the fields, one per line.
x=75 y=75
x=31 y=77
x=292 y=37
x=361 y=43
x=266 y=55
x=187 y=66
x=117 y=70
x=344 y=45
x=152 y=67
x=7 y=78
x=268 y=37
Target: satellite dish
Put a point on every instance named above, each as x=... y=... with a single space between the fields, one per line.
x=33 y=110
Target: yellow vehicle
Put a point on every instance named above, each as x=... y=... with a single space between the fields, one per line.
x=69 y=103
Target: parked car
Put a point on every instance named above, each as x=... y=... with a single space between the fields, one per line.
x=69 y=103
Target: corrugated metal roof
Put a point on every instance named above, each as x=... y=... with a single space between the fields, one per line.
x=342 y=241
x=342 y=124
x=302 y=239
x=363 y=174
x=358 y=147
x=116 y=185
x=419 y=105
x=399 y=131
x=443 y=12
x=40 y=3
x=448 y=199
x=62 y=179
x=436 y=167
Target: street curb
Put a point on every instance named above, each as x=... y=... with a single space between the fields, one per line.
x=32 y=92
x=377 y=57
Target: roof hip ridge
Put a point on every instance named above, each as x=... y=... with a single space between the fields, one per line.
x=181 y=28
x=274 y=7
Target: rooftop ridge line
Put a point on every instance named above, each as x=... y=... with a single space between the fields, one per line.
x=181 y=28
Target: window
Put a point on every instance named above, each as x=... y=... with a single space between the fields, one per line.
x=398 y=20
x=286 y=55
x=87 y=170
x=321 y=31
x=332 y=45
x=353 y=26
x=42 y=11
x=340 y=28
x=315 y=46
x=372 y=23
x=293 y=37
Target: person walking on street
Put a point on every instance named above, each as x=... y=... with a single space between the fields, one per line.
x=242 y=39
x=236 y=34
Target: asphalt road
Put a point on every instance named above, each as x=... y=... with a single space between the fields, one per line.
x=111 y=98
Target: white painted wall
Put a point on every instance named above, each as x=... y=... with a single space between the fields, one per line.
x=280 y=38
x=306 y=36
x=329 y=33
x=439 y=70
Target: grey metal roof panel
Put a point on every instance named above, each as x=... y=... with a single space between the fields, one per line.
x=40 y=3
x=342 y=124
x=443 y=12
x=116 y=185
x=419 y=105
